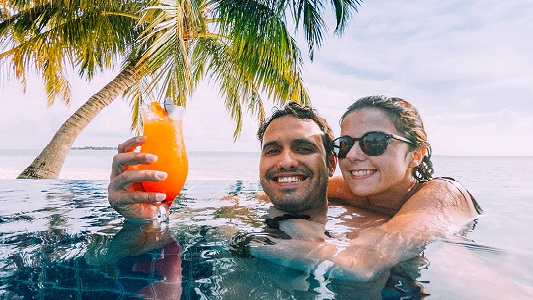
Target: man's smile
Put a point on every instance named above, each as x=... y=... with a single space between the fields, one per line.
x=289 y=179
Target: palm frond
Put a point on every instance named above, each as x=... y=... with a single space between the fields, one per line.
x=50 y=37
x=343 y=12
x=171 y=28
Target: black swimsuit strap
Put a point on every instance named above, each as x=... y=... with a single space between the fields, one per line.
x=274 y=223
x=474 y=202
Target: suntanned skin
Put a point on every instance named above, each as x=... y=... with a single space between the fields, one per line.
x=293 y=168
x=385 y=224
x=416 y=212
x=294 y=172
x=125 y=192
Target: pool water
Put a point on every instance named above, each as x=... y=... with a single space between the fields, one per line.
x=60 y=239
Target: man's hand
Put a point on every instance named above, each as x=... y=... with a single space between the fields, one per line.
x=126 y=194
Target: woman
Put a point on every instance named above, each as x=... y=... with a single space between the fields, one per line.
x=390 y=169
x=386 y=167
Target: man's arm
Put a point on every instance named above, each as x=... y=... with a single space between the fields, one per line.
x=133 y=239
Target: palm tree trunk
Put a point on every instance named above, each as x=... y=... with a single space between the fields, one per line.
x=49 y=162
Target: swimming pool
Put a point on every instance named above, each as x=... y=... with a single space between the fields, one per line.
x=59 y=239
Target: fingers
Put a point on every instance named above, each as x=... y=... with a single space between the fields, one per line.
x=122 y=161
x=122 y=192
x=122 y=199
x=124 y=180
x=126 y=157
x=131 y=144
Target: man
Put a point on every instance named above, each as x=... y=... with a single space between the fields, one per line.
x=296 y=161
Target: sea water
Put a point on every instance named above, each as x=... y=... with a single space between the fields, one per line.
x=57 y=236
x=96 y=164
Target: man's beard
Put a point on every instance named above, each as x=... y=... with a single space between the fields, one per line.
x=297 y=200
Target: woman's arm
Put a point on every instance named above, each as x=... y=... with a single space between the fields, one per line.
x=364 y=258
x=339 y=192
x=438 y=209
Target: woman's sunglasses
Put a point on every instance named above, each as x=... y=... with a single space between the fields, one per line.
x=373 y=143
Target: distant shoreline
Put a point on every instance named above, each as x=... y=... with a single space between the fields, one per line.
x=93 y=148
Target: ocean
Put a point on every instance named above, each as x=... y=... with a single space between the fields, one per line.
x=96 y=164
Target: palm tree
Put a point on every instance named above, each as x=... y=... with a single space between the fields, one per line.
x=244 y=46
x=50 y=37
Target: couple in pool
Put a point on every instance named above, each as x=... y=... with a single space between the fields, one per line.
x=386 y=179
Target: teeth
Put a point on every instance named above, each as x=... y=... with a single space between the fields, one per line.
x=362 y=172
x=289 y=179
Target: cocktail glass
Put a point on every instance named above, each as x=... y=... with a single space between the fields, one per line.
x=163 y=128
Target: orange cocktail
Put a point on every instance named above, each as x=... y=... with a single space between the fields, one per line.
x=164 y=132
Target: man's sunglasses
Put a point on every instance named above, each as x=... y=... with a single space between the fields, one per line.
x=373 y=143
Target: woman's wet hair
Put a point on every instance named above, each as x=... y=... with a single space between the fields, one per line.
x=300 y=112
x=407 y=121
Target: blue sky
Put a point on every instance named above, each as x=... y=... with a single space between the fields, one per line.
x=466 y=65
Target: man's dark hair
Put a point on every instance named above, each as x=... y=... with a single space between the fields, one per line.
x=304 y=113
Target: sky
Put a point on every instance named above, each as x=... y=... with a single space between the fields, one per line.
x=467 y=65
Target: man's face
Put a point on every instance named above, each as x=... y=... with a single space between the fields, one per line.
x=293 y=168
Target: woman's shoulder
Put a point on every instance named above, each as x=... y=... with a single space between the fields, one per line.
x=449 y=191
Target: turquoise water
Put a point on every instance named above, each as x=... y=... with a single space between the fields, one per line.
x=60 y=239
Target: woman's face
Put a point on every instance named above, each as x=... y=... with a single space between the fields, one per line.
x=372 y=175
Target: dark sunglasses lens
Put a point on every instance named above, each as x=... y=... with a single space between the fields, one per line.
x=374 y=143
x=342 y=146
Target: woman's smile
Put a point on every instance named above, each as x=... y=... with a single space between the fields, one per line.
x=363 y=173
